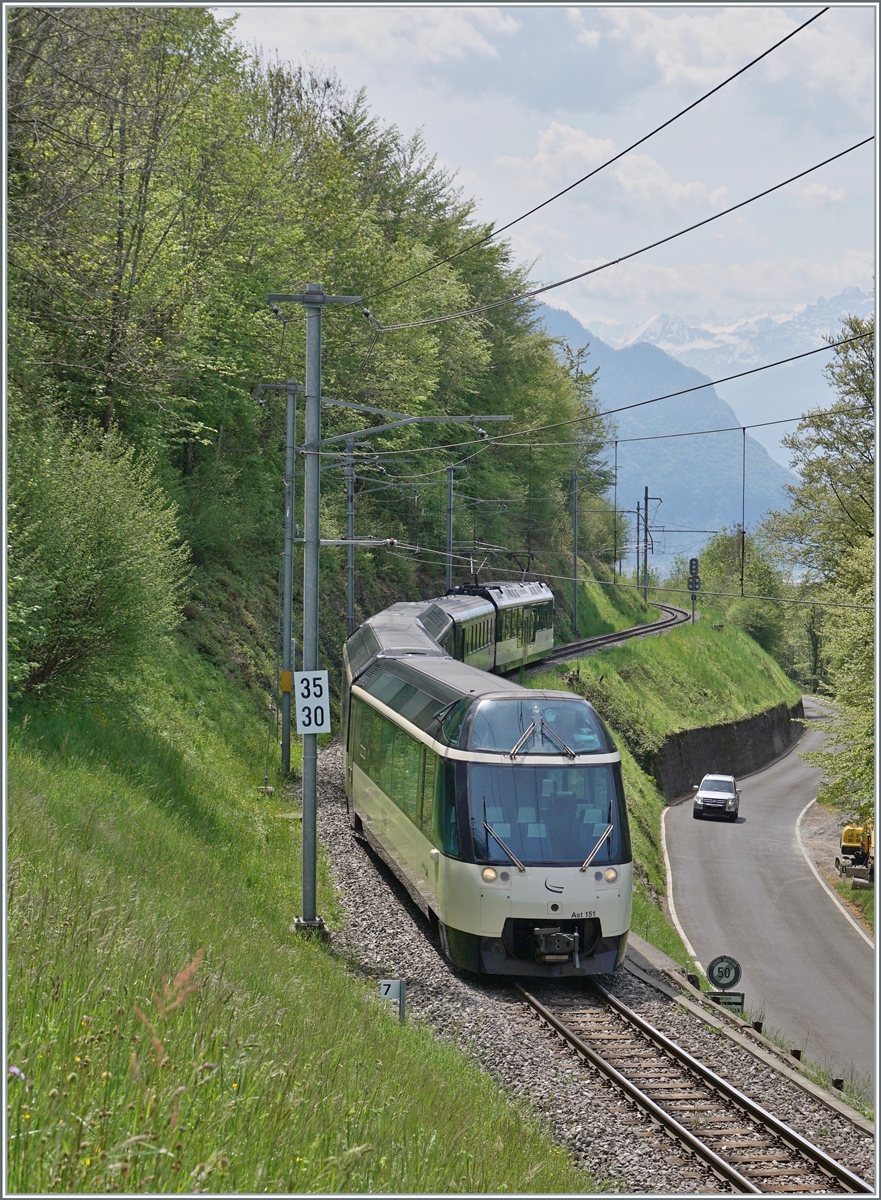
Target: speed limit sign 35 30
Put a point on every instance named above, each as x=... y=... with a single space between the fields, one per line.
x=312 y=699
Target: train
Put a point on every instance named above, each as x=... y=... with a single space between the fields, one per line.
x=500 y=808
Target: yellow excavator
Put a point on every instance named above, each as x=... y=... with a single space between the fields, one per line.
x=856 y=861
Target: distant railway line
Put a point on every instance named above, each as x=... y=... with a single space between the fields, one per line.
x=672 y=616
x=740 y=1142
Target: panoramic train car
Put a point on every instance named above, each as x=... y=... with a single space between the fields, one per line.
x=500 y=808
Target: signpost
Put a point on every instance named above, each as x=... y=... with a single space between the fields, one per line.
x=311 y=695
x=724 y=972
x=395 y=989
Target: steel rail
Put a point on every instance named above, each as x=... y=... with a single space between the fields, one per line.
x=673 y=616
x=717 y=1164
x=787 y=1135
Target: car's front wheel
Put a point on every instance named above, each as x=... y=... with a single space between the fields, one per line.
x=731 y=816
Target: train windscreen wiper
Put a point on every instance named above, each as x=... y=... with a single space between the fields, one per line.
x=545 y=728
x=523 y=740
x=595 y=850
x=510 y=853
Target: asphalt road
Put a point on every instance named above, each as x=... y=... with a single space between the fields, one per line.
x=745 y=889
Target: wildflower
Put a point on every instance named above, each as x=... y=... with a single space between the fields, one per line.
x=76 y=1058
x=17 y=1071
x=88 y=1162
x=27 y=1116
x=235 y=1087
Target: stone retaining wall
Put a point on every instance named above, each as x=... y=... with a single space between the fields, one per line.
x=733 y=749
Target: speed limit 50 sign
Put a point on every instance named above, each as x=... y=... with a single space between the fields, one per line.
x=724 y=972
x=312 y=699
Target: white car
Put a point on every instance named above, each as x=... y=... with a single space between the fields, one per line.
x=718 y=796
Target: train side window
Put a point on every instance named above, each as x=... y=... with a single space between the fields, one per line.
x=446 y=829
x=385 y=777
x=429 y=773
x=406 y=774
x=371 y=732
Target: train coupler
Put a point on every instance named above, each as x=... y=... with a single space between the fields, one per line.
x=552 y=945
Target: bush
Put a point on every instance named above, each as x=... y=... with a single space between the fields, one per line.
x=95 y=565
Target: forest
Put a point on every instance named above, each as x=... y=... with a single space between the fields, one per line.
x=161 y=183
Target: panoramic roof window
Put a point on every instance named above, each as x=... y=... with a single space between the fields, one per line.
x=537 y=727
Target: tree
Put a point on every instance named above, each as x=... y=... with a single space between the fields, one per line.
x=829 y=531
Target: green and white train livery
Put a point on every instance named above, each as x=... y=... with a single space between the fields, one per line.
x=500 y=808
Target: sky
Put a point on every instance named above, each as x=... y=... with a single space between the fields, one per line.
x=518 y=101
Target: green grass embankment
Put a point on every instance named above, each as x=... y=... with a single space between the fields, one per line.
x=137 y=842
x=690 y=677
x=602 y=608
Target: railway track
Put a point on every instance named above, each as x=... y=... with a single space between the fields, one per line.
x=672 y=616
x=740 y=1142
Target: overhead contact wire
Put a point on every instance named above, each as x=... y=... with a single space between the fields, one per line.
x=502 y=228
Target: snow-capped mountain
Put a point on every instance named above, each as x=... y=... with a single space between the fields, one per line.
x=720 y=349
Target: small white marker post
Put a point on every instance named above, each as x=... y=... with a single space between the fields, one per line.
x=395 y=989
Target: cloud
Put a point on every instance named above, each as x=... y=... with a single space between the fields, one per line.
x=811 y=195
x=587 y=37
x=830 y=62
x=645 y=183
x=563 y=154
x=636 y=181
x=757 y=285
x=406 y=34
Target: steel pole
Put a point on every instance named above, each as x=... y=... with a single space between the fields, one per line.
x=615 y=522
x=638 y=535
x=645 y=549
x=449 y=566
x=311 y=546
x=743 y=512
x=287 y=597
x=350 y=535
x=575 y=553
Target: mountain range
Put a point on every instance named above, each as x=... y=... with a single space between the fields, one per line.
x=719 y=349
x=697 y=481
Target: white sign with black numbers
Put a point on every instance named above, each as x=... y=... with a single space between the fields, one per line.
x=313 y=701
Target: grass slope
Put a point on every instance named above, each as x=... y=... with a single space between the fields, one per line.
x=168 y=1031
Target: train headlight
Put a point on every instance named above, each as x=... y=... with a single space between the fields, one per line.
x=610 y=874
x=489 y=874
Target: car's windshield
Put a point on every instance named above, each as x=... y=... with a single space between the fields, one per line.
x=713 y=783
x=547 y=814
x=537 y=726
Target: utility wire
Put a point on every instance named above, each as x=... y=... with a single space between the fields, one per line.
x=502 y=228
x=505 y=438
x=548 y=287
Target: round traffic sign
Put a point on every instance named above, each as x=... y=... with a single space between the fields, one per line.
x=724 y=972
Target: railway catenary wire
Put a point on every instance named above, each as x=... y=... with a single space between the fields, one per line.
x=744 y=1145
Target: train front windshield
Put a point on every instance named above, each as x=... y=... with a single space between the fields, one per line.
x=547 y=814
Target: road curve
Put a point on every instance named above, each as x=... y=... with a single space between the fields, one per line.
x=747 y=890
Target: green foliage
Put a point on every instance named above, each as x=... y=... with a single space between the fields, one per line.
x=96 y=568
x=728 y=556
x=173 y=1035
x=829 y=531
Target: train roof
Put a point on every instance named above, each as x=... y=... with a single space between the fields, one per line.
x=506 y=594
x=418 y=689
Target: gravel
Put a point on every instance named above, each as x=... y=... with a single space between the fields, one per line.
x=386 y=936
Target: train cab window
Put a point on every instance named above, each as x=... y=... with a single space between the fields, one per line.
x=501 y=725
x=446 y=827
x=548 y=814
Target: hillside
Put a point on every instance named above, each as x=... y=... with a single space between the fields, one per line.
x=698 y=478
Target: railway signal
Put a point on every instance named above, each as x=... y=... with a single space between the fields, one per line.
x=694 y=582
